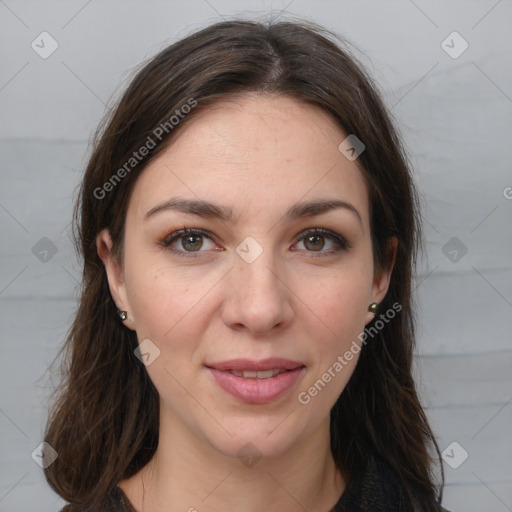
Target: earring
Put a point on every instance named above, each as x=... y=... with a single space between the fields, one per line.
x=372 y=308
x=123 y=315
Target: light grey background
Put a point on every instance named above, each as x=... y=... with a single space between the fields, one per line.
x=455 y=115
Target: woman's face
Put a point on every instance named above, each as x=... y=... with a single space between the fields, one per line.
x=256 y=287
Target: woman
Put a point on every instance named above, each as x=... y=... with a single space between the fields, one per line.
x=245 y=332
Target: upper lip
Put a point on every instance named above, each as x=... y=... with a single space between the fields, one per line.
x=272 y=363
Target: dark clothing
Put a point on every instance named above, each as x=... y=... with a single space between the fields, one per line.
x=375 y=488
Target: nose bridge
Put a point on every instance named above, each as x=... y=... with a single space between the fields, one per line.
x=259 y=276
x=256 y=269
x=258 y=297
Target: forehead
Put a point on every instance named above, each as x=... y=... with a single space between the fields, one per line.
x=251 y=153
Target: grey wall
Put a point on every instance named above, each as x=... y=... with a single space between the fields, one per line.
x=455 y=115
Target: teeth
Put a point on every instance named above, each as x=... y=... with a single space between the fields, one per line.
x=267 y=374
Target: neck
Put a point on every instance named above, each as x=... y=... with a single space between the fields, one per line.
x=188 y=474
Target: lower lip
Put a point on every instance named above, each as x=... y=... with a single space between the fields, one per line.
x=257 y=391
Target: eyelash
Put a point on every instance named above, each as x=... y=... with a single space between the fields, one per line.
x=342 y=243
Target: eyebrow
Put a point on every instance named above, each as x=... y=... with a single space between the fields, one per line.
x=211 y=210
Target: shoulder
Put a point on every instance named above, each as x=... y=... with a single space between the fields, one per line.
x=375 y=487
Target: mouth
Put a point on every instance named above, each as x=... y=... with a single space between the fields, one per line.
x=249 y=365
x=267 y=374
x=256 y=382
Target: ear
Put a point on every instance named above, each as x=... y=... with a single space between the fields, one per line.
x=115 y=275
x=382 y=278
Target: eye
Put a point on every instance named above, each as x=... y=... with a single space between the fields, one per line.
x=315 y=240
x=190 y=239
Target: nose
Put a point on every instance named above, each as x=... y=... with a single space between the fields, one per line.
x=258 y=298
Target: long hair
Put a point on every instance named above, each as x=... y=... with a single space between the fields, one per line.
x=104 y=419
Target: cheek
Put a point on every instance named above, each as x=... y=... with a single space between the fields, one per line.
x=341 y=302
x=169 y=312
x=171 y=305
x=163 y=300
x=158 y=290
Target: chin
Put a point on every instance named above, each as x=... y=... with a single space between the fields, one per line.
x=254 y=438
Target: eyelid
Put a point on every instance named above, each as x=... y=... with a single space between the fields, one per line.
x=342 y=243
x=174 y=235
x=170 y=238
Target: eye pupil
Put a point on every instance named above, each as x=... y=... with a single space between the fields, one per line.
x=316 y=238
x=194 y=246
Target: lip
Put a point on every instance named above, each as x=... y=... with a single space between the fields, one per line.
x=251 y=365
x=253 y=390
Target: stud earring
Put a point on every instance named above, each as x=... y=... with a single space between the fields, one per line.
x=123 y=315
x=372 y=308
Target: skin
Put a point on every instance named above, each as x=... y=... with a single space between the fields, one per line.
x=299 y=300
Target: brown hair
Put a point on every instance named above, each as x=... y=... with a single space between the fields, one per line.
x=105 y=418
